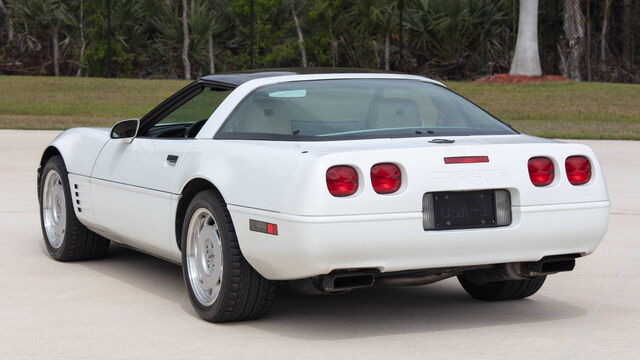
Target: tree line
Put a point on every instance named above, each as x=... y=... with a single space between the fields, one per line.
x=595 y=40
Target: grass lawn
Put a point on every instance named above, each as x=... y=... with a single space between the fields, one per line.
x=560 y=109
x=576 y=110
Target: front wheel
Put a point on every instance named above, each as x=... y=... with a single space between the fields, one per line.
x=503 y=290
x=222 y=285
x=65 y=238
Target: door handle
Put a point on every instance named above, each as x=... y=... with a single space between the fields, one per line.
x=172 y=159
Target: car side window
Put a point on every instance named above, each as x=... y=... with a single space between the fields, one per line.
x=188 y=118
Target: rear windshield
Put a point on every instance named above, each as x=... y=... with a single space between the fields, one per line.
x=356 y=109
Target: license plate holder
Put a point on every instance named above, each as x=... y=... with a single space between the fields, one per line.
x=464 y=209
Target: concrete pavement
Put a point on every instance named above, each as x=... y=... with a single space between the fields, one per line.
x=133 y=306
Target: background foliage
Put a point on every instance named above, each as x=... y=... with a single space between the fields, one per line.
x=446 y=39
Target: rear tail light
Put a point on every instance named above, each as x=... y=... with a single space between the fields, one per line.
x=578 y=170
x=541 y=171
x=386 y=178
x=342 y=180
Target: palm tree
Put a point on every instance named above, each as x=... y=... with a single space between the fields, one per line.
x=8 y=20
x=526 y=59
x=450 y=38
x=574 y=32
x=604 y=46
x=168 y=40
x=185 y=40
x=331 y=14
x=376 y=17
x=83 y=41
x=207 y=23
x=296 y=21
x=628 y=24
x=51 y=16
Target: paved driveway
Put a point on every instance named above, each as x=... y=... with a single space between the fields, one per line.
x=133 y=306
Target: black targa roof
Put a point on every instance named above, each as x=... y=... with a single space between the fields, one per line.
x=237 y=78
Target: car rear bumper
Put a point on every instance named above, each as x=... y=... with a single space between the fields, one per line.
x=313 y=245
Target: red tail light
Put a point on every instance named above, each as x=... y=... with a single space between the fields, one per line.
x=342 y=180
x=385 y=178
x=578 y=169
x=541 y=171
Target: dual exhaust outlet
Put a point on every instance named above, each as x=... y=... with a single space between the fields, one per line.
x=345 y=280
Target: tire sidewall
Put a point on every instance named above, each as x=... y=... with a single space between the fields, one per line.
x=56 y=163
x=207 y=200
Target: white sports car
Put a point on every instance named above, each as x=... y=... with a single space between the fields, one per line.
x=331 y=181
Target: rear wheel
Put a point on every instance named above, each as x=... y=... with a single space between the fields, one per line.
x=222 y=285
x=503 y=290
x=65 y=238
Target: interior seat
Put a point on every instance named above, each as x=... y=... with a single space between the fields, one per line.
x=266 y=116
x=396 y=113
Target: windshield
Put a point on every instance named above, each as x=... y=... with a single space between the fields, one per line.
x=356 y=109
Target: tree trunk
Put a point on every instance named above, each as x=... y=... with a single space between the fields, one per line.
x=334 y=45
x=185 y=41
x=627 y=36
x=387 y=52
x=588 y=41
x=574 y=30
x=375 y=51
x=334 y=52
x=8 y=20
x=109 y=52
x=303 y=52
x=56 y=52
x=212 y=59
x=604 y=45
x=83 y=43
x=526 y=58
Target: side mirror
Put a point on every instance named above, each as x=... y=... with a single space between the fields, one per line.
x=125 y=129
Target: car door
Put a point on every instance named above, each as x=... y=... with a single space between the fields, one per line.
x=133 y=182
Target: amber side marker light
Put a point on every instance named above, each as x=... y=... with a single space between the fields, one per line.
x=263 y=227
x=466 y=159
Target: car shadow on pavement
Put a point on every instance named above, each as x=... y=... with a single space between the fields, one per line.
x=374 y=311
x=145 y=272
x=358 y=314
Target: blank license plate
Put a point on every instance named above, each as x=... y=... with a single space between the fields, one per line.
x=464 y=209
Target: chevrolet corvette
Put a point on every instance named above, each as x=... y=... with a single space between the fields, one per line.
x=326 y=180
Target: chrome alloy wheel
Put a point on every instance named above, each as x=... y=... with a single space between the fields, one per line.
x=54 y=208
x=204 y=256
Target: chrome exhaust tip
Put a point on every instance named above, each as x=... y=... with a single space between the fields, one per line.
x=343 y=281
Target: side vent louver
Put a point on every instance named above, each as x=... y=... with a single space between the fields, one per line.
x=77 y=196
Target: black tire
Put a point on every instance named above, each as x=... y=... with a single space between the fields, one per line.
x=503 y=290
x=78 y=242
x=244 y=294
